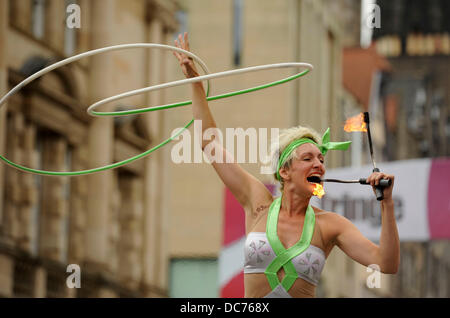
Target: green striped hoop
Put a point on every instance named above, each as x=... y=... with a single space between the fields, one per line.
x=91 y=109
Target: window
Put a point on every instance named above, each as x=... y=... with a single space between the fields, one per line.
x=194 y=278
x=237 y=32
x=36 y=210
x=56 y=282
x=38 y=18
x=181 y=17
x=66 y=189
x=23 y=279
x=55 y=197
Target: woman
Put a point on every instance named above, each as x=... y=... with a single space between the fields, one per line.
x=288 y=241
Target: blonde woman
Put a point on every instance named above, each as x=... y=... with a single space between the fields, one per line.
x=288 y=240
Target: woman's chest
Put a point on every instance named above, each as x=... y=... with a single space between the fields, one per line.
x=289 y=230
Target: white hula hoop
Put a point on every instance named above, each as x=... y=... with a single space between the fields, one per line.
x=91 y=109
x=99 y=51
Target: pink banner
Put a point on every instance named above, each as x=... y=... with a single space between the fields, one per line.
x=439 y=199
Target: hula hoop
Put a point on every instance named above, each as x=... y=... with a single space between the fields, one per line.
x=91 y=108
x=95 y=52
x=80 y=56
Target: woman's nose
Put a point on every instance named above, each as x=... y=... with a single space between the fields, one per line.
x=318 y=164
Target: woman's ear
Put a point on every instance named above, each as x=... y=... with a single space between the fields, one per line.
x=284 y=173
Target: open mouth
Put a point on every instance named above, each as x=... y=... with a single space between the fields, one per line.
x=314 y=179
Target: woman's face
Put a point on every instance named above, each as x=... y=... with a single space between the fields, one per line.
x=310 y=162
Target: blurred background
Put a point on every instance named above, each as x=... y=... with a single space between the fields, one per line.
x=156 y=228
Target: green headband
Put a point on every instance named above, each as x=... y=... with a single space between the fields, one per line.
x=324 y=147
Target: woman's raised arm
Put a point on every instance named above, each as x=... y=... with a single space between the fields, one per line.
x=248 y=190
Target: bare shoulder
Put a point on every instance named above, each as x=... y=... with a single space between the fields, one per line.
x=330 y=223
x=329 y=216
x=320 y=212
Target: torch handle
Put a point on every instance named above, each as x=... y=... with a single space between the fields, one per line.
x=378 y=189
x=384 y=183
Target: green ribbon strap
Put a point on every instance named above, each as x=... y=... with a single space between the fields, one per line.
x=284 y=256
x=324 y=147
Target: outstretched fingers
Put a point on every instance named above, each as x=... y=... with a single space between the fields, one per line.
x=177 y=55
x=186 y=42
x=186 y=62
x=184 y=45
x=182 y=42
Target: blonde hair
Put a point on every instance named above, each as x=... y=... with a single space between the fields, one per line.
x=285 y=137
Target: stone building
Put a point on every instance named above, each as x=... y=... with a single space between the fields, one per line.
x=109 y=223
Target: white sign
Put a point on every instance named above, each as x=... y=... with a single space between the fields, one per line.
x=411 y=187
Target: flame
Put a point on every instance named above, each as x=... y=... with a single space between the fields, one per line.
x=318 y=190
x=355 y=123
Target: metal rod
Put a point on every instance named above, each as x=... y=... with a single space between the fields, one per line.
x=383 y=182
x=367 y=121
x=340 y=181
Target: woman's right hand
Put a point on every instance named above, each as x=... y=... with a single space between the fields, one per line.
x=186 y=62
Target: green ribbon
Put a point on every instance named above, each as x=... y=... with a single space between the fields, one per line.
x=324 y=147
x=284 y=256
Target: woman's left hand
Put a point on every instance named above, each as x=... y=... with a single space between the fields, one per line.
x=186 y=62
x=374 y=179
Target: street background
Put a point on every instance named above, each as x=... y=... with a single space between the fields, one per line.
x=156 y=228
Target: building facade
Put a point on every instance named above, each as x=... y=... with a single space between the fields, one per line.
x=111 y=224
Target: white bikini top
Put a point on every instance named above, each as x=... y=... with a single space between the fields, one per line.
x=259 y=254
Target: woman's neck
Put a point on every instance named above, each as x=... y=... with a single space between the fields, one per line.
x=293 y=203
